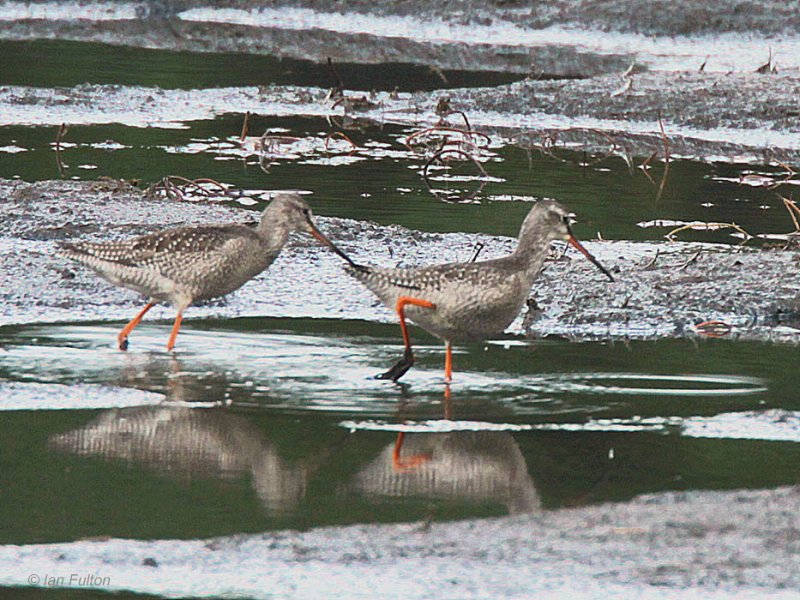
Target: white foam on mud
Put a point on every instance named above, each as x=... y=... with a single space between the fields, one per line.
x=153 y=107
x=768 y=425
x=140 y=106
x=756 y=138
x=721 y=52
x=18 y=395
x=311 y=564
x=69 y=11
x=433 y=426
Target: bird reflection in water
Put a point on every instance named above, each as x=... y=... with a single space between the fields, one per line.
x=188 y=444
x=468 y=466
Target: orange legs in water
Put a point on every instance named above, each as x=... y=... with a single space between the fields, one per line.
x=175 y=327
x=448 y=366
x=405 y=363
x=122 y=338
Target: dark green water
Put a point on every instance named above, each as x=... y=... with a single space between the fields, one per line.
x=300 y=444
x=53 y=63
x=606 y=197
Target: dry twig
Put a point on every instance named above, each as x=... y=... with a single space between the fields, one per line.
x=442 y=156
x=176 y=187
x=794 y=212
x=690 y=261
x=478 y=247
x=62 y=131
x=652 y=263
x=666 y=160
x=712 y=328
x=421 y=136
x=339 y=134
x=707 y=226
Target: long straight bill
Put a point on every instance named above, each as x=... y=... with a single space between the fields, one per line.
x=574 y=242
x=318 y=234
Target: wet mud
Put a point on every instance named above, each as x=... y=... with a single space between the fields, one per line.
x=703 y=85
x=666 y=546
x=660 y=289
x=704 y=114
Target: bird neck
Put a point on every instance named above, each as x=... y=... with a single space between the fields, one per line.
x=273 y=228
x=533 y=247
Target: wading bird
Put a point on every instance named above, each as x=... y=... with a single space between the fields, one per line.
x=184 y=265
x=461 y=302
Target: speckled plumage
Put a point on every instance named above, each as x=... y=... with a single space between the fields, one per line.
x=472 y=300
x=183 y=265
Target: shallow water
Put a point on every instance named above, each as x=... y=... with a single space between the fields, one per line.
x=260 y=424
x=264 y=423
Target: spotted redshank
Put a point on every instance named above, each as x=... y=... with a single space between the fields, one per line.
x=460 y=302
x=183 y=265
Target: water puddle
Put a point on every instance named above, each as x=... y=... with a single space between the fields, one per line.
x=282 y=421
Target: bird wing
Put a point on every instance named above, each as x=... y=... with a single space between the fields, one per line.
x=150 y=250
x=434 y=278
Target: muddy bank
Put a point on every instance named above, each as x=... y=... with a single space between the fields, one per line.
x=565 y=39
x=462 y=34
x=317 y=44
x=689 y=545
x=746 y=110
x=693 y=65
x=682 y=17
x=712 y=117
x=755 y=292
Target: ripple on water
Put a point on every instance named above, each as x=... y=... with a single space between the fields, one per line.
x=19 y=395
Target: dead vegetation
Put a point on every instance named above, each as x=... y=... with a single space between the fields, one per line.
x=587 y=147
x=183 y=189
x=62 y=131
x=770 y=182
x=339 y=98
x=271 y=147
x=448 y=145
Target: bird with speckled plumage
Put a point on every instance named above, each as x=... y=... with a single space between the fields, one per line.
x=184 y=265
x=460 y=302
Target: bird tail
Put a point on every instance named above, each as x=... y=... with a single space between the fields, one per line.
x=71 y=250
x=358 y=271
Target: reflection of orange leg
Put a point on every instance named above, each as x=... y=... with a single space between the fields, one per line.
x=175 y=327
x=406 y=464
x=448 y=362
x=122 y=338
x=448 y=406
x=405 y=363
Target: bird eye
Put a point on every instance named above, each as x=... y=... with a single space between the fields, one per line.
x=307 y=212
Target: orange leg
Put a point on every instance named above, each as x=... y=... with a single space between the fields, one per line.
x=405 y=363
x=406 y=464
x=175 y=327
x=122 y=338
x=448 y=362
